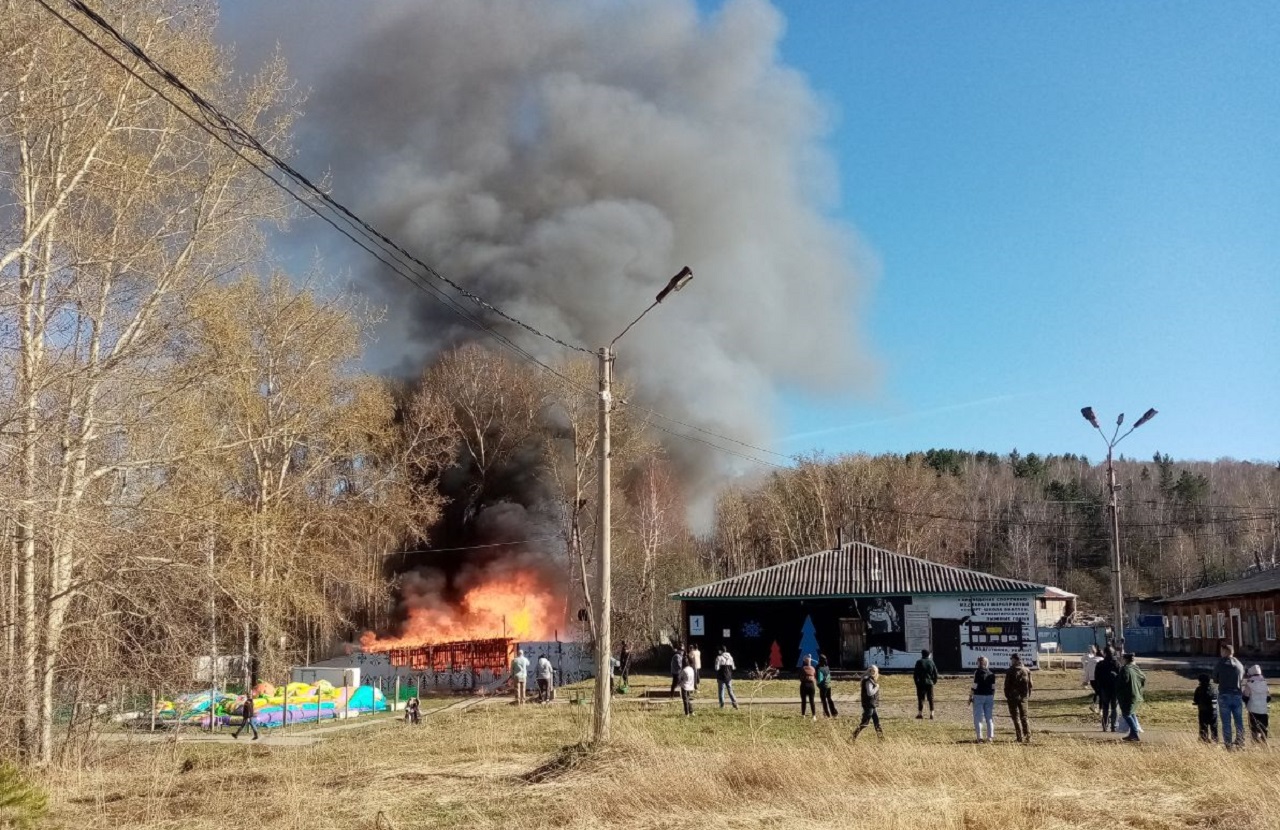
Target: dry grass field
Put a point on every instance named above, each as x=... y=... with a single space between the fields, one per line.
x=494 y=766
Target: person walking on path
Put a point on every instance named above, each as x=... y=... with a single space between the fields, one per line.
x=688 y=680
x=1129 y=695
x=1017 y=688
x=246 y=713
x=1088 y=675
x=695 y=660
x=926 y=677
x=724 y=676
x=1206 y=703
x=824 y=688
x=982 y=697
x=808 y=686
x=1257 y=696
x=677 y=666
x=870 y=695
x=624 y=665
x=545 y=676
x=1229 y=675
x=1105 y=678
x=520 y=676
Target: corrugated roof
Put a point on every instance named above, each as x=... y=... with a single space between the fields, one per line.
x=1259 y=583
x=1051 y=592
x=856 y=570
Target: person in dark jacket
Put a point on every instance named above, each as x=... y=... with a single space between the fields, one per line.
x=824 y=687
x=926 y=677
x=1229 y=675
x=870 y=694
x=1206 y=703
x=1017 y=688
x=677 y=665
x=808 y=686
x=624 y=664
x=1106 y=676
x=247 y=712
x=1129 y=695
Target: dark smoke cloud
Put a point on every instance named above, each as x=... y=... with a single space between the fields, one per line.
x=564 y=158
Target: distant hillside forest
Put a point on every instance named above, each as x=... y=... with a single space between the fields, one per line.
x=1040 y=518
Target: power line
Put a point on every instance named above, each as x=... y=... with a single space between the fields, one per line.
x=238 y=135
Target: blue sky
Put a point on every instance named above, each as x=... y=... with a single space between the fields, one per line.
x=1069 y=204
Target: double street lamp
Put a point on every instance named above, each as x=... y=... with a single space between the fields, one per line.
x=1117 y=593
x=604 y=596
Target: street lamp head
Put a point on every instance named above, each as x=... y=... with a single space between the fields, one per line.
x=1146 y=416
x=1120 y=419
x=676 y=283
x=1087 y=412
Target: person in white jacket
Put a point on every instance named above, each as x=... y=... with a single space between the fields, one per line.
x=1088 y=672
x=1256 y=697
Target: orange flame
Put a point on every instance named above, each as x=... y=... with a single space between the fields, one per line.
x=516 y=605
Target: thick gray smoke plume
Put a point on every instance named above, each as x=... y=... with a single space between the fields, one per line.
x=564 y=158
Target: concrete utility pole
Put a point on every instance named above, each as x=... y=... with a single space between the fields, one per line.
x=1117 y=592
x=604 y=594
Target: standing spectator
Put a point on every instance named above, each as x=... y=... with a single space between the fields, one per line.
x=982 y=697
x=520 y=675
x=695 y=660
x=808 y=685
x=1206 y=703
x=1229 y=675
x=1017 y=688
x=1105 y=678
x=246 y=719
x=870 y=694
x=926 y=677
x=624 y=664
x=677 y=665
x=1257 y=696
x=1129 y=695
x=688 y=680
x=1088 y=675
x=545 y=675
x=724 y=676
x=824 y=688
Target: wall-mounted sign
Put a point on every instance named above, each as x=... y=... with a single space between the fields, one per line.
x=697 y=625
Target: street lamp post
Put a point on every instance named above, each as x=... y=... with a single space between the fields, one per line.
x=1117 y=592
x=604 y=593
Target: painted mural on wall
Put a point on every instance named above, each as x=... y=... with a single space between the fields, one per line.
x=885 y=632
x=808 y=642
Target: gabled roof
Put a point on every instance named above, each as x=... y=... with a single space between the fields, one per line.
x=1051 y=592
x=856 y=570
x=1259 y=583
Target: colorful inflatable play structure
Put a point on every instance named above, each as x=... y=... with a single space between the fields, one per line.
x=273 y=706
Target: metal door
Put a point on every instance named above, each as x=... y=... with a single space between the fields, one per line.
x=852 y=643
x=946 y=644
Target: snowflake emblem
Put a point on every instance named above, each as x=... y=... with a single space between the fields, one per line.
x=751 y=629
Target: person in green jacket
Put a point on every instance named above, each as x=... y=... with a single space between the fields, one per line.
x=926 y=677
x=1129 y=695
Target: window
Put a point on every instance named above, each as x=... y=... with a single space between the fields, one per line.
x=995 y=634
x=1186 y=628
x=1269 y=622
x=1175 y=627
x=1044 y=604
x=1168 y=625
x=1196 y=621
x=1222 y=626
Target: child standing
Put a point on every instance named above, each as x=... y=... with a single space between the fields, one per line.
x=1256 y=698
x=1206 y=703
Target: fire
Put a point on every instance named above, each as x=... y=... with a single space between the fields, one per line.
x=517 y=605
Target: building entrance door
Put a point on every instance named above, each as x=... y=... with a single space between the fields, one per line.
x=853 y=640
x=946 y=644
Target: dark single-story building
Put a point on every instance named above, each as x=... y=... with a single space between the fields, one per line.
x=1241 y=612
x=862 y=605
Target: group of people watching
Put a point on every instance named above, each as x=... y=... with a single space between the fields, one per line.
x=1117 y=688
x=545 y=675
x=1228 y=694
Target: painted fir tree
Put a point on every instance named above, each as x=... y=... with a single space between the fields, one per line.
x=775 y=656
x=808 y=642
